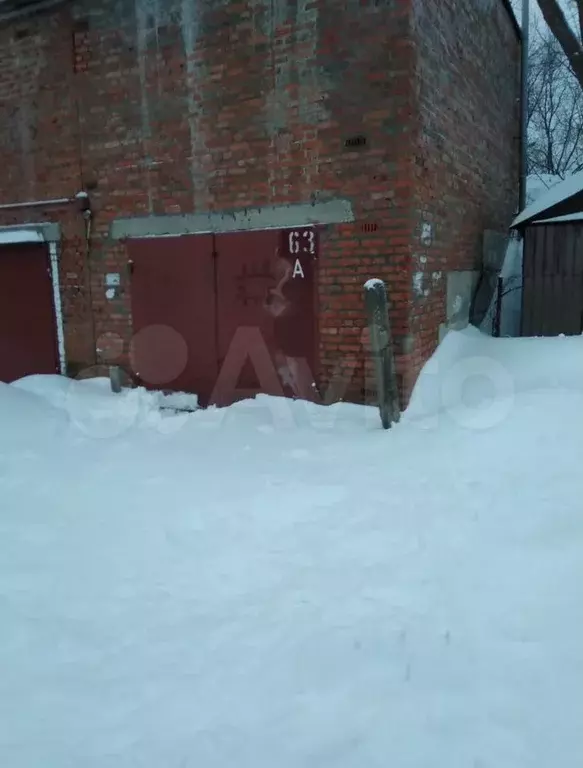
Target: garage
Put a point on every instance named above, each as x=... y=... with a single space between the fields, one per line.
x=28 y=334
x=225 y=316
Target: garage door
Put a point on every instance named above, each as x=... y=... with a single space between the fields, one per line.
x=226 y=316
x=28 y=340
x=173 y=306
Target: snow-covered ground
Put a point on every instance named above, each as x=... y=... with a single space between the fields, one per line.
x=276 y=584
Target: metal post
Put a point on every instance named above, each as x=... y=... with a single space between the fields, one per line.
x=498 y=310
x=115 y=378
x=524 y=102
x=377 y=310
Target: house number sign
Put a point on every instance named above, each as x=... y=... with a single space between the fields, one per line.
x=301 y=242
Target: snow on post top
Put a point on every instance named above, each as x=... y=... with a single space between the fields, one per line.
x=568 y=188
x=373 y=283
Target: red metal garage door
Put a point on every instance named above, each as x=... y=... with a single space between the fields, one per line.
x=265 y=314
x=28 y=340
x=173 y=310
x=296 y=325
x=225 y=316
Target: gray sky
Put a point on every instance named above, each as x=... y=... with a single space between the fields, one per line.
x=535 y=10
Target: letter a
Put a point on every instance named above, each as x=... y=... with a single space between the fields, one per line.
x=298 y=269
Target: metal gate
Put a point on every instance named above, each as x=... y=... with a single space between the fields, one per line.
x=553 y=279
x=226 y=316
x=28 y=338
x=173 y=303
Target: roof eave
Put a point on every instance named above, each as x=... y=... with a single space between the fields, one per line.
x=573 y=204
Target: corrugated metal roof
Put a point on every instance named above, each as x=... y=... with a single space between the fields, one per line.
x=563 y=199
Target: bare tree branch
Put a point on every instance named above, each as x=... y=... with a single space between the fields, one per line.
x=558 y=24
x=554 y=109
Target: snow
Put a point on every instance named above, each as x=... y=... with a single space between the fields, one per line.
x=511 y=309
x=96 y=411
x=373 y=283
x=538 y=184
x=180 y=401
x=282 y=584
x=572 y=185
x=511 y=274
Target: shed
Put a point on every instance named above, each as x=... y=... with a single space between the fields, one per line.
x=552 y=287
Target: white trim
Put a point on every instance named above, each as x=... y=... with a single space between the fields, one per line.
x=54 y=259
x=44 y=232
x=12 y=236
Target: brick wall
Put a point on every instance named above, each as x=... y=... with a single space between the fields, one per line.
x=40 y=152
x=241 y=104
x=467 y=146
x=175 y=107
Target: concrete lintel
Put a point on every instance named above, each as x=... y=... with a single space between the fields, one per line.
x=45 y=232
x=267 y=217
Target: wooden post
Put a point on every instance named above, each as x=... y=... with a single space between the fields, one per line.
x=381 y=343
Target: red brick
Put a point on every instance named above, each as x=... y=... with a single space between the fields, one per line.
x=438 y=111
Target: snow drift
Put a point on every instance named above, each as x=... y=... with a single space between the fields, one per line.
x=278 y=584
